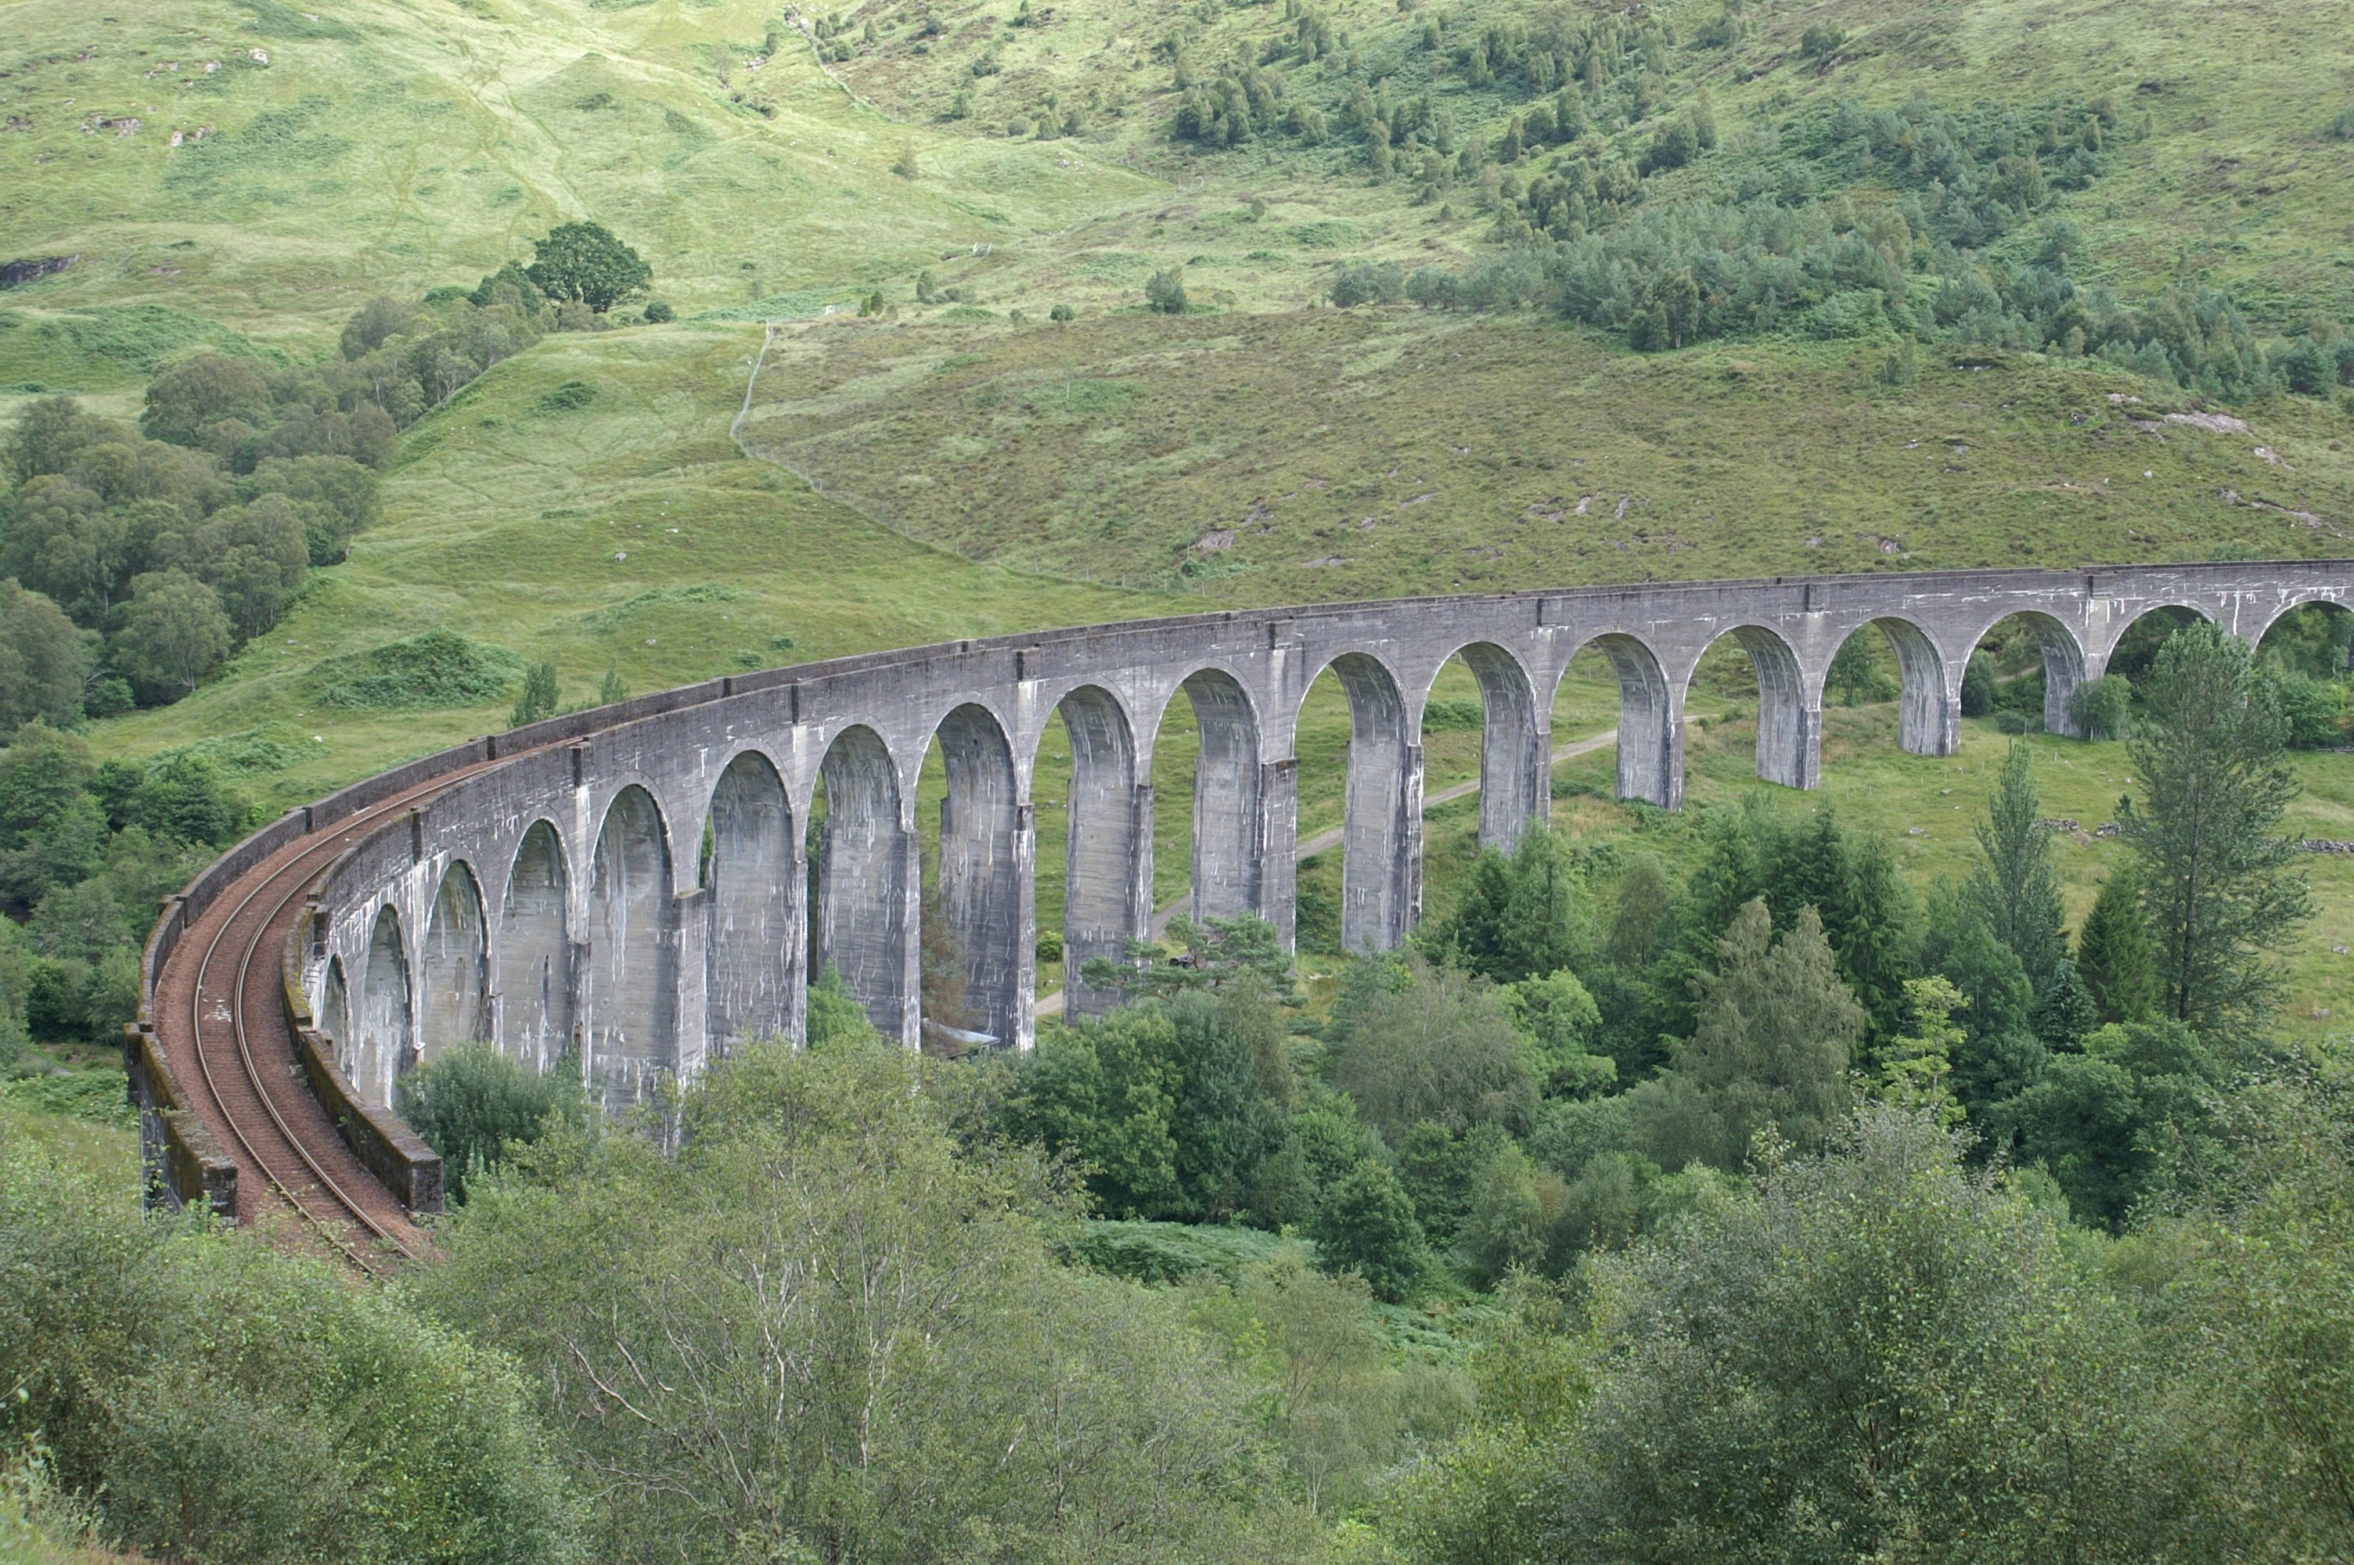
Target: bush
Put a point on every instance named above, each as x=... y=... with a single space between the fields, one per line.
x=474 y=1105
x=1365 y=1224
x=218 y=1401
x=2102 y=707
x=659 y=312
x=1165 y=291
x=1368 y=282
x=437 y=669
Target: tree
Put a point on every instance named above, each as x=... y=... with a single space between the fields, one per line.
x=1437 y=1048
x=1877 y=1355
x=1776 y=1031
x=2214 y=781
x=584 y=262
x=1365 y=1224
x=2102 y=707
x=1104 y=1090
x=48 y=432
x=44 y=660
x=1916 y=1069
x=188 y=398
x=475 y=1105
x=1639 y=911
x=2117 y=953
x=1524 y=913
x=2000 y=1052
x=538 y=699
x=2012 y=886
x=1857 y=672
x=1562 y=1024
x=2105 y=1121
x=1978 y=688
x=1165 y=291
x=174 y=634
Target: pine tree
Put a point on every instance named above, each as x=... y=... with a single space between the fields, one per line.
x=2214 y=778
x=2012 y=886
x=539 y=696
x=2117 y=954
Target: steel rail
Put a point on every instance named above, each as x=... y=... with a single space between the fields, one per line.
x=303 y=859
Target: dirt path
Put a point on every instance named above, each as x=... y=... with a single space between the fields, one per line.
x=1052 y=1005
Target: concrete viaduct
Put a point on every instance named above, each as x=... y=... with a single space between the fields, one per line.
x=631 y=882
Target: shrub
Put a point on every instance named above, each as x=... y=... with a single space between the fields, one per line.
x=659 y=312
x=1165 y=291
x=1368 y=282
x=474 y=1105
x=437 y=669
x=2102 y=707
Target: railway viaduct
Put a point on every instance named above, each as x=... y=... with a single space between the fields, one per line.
x=631 y=882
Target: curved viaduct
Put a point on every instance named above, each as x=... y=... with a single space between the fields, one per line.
x=631 y=882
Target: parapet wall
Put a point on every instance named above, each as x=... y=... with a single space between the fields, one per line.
x=629 y=884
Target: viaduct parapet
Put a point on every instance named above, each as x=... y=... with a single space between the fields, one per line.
x=632 y=882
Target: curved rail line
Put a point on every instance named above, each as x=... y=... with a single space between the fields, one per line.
x=303 y=867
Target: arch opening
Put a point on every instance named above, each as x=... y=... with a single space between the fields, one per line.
x=2309 y=648
x=866 y=872
x=2025 y=668
x=1900 y=664
x=335 y=1018
x=1788 y=726
x=454 y=1004
x=982 y=907
x=1514 y=741
x=535 y=953
x=384 y=1051
x=1226 y=874
x=633 y=944
x=1381 y=806
x=1106 y=889
x=1650 y=753
x=753 y=880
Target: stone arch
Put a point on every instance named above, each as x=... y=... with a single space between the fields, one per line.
x=1515 y=772
x=535 y=952
x=1789 y=747
x=1650 y=749
x=1381 y=833
x=384 y=1051
x=453 y=999
x=867 y=883
x=985 y=859
x=755 y=886
x=2293 y=603
x=2339 y=615
x=1928 y=708
x=1228 y=834
x=335 y=1018
x=1107 y=885
x=633 y=951
x=2064 y=663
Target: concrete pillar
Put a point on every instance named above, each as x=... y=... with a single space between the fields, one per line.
x=454 y=987
x=985 y=884
x=1107 y=885
x=2065 y=667
x=691 y=918
x=1929 y=711
x=632 y=1010
x=869 y=883
x=536 y=976
x=1515 y=770
x=1789 y=721
x=1381 y=858
x=1228 y=831
x=756 y=950
x=383 y=1021
x=1279 y=836
x=1650 y=725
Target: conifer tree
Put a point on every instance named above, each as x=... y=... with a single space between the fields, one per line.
x=2117 y=954
x=2214 y=779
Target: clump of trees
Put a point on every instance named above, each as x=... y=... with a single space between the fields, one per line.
x=86 y=852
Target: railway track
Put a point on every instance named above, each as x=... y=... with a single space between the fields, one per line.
x=238 y=1054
